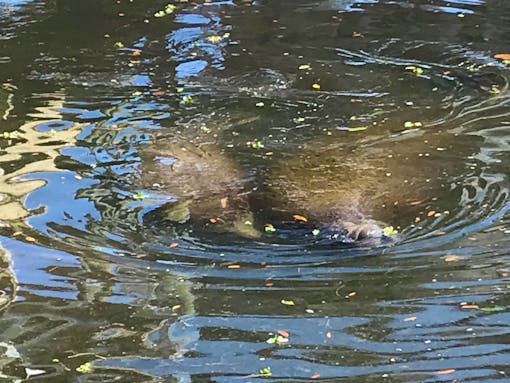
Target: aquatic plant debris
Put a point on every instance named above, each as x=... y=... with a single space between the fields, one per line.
x=214 y=39
x=287 y=302
x=412 y=124
x=357 y=128
x=139 y=195
x=269 y=228
x=277 y=339
x=169 y=8
x=265 y=372
x=85 y=368
x=299 y=217
x=388 y=231
x=415 y=69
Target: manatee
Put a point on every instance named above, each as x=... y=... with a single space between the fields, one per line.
x=351 y=190
x=207 y=189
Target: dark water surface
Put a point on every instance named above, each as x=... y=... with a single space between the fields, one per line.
x=412 y=105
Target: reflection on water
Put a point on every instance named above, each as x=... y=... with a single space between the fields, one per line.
x=115 y=253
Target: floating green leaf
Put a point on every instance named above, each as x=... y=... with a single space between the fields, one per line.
x=139 y=195
x=357 y=128
x=304 y=67
x=265 y=372
x=118 y=44
x=412 y=124
x=268 y=228
x=287 y=302
x=315 y=232
x=492 y=309
x=186 y=100
x=85 y=368
x=388 y=231
x=255 y=144
x=169 y=8
x=179 y=89
x=214 y=39
x=495 y=90
x=277 y=339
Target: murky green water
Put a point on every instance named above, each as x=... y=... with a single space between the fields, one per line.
x=283 y=108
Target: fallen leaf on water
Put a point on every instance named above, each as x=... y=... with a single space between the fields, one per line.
x=503 y=273
x=315 y=232
x=224 y=202
x=29 y=238
x=351 y=294
x=283 y=333
x=212 y=220
x=265 y=372
x=431 y=213
x=388 y=231
x=234 y=266
x=357 y=128
x=85 y=368
x=214 y=39
x=469 y=307
x=492 y=309
x=173 y=244
x=409 y=319
x=268 y=228
x=329 y=335
x=176 y=307
x=299 y=217
x=304 y=67
x=136 y=52
x=269 y=284
x=415 y=202
x=356 y=34
x=452 y=258
x=287 y=302
x=446 y=371
x=502 y=56
x=16 y=233
x=259 y=104
x=316 y=86
x=315 y=376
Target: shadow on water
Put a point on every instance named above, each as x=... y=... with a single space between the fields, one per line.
x=167 y=185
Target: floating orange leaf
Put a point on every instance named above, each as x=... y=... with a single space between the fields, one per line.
x=431 y=213
x=452 y=258
x=234 y=266
x=299 y=217
x=16 y=233
x=409 y=319
x=415 y=202
x=315 y=376
x=446 y=371
x=470 y=307
x=269 y=284
x=502 y=56
x=351 y=294
x=173 y=244
x=136 y=52
x=212 y=220
x=283 y=333
x=29 y=238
